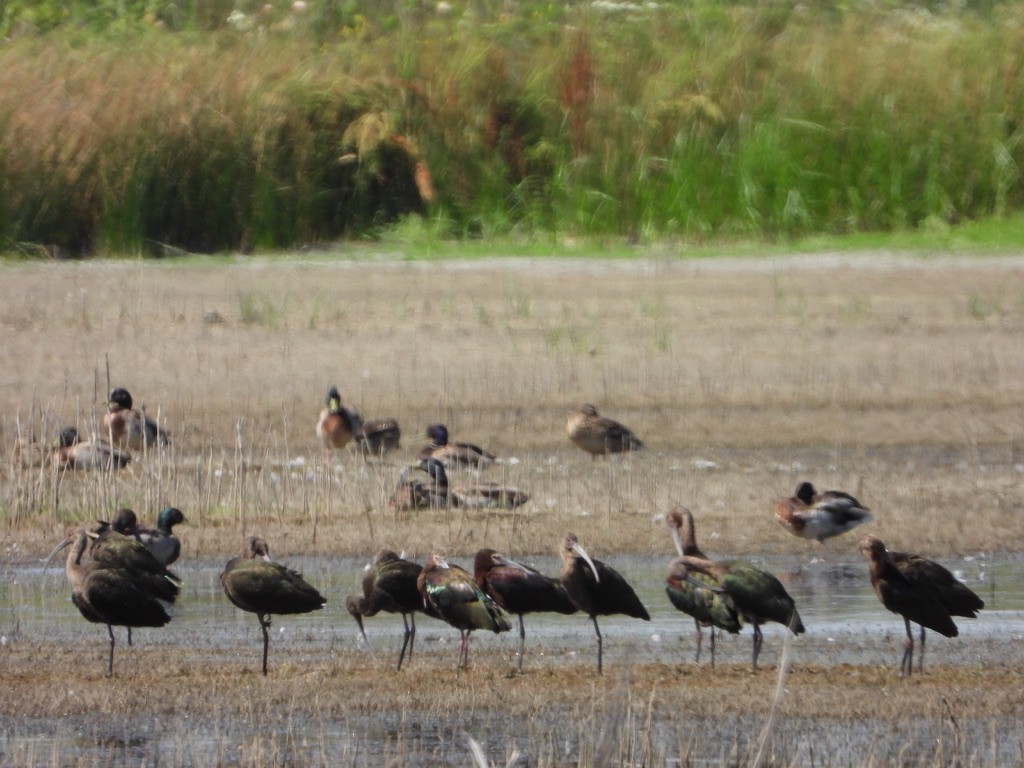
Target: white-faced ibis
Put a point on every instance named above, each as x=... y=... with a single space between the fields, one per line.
x=456 y=598
x=813 y=515
x=756 y=595
x=161 y=540
x=109 y=590
x=73 y=453
x=596 y=589
x=598 y=435
x=519 y=589
x=378 y=436
x=127 y=427
x=919 y=590
x=706 y=605
x=389 y=585
x=338 y=425
x=264 y=587
x=118 y=543
x=454 y=454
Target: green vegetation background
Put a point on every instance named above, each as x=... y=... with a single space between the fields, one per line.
x=180 y=125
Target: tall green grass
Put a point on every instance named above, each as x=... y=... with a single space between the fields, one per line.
x=612 y=121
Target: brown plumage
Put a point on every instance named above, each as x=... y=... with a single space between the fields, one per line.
x=255 y=584
x=519 y=589
x=454 y=454
x=754 y=594
x=819 y=515
x=919 y=590
x=378 y=436
x=73 y=453
x=108 y=588
x=389 y=585
x=598 y=435
x=705 y=604
x=455 y=597
x=596 y=589
x=127 y=427
x=337 y=425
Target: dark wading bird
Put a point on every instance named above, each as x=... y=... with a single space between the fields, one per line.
x=596 y=589
x=919 y=590
x=456 y=598
x=73 y=453
x=107 y=587
x=117 y=543
x=454 y=454
x=756 y=595
x=706 y=605
x=819 y=516
x=128 y=427
x=161 y=541
x=519 y=589
x=264 y=587
x=378 y=436
x=338 y=425
x=389 y=585
x=597 y=435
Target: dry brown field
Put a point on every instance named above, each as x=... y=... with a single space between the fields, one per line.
x=897 y=378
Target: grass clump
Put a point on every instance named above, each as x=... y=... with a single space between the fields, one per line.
x=241 y=128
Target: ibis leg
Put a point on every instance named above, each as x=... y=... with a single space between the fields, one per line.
x=920 y=657
x=700 y=639
x=597 y=629
x=110 y=660
x=758 y=641
x=712 y=647
x=264 y=623
x=129 y=635
x=907 y=662
x=405 y=642
x=522 y=643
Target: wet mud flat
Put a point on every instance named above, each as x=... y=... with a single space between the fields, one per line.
x=191 y=693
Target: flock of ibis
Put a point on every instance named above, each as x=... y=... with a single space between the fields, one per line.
x=119 y=576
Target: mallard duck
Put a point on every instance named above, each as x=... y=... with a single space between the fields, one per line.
x=919 y=590
x=160 y=541
x=338 y=425
x=128 y=427
x=454 y=454
x=475 y=494
x=819 y=516
x=73 y=453
x=378 y=436
x=598 y=435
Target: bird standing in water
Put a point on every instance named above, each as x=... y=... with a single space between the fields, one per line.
x=455 y=597
x=596 y=589
x=256 y=584
x=919 y=590
x=706 y=605
x=389 y=585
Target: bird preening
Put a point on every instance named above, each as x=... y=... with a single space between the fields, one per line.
x=820 y=515
x=254 y=583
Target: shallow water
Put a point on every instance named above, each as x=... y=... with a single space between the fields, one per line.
x=845 y=624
